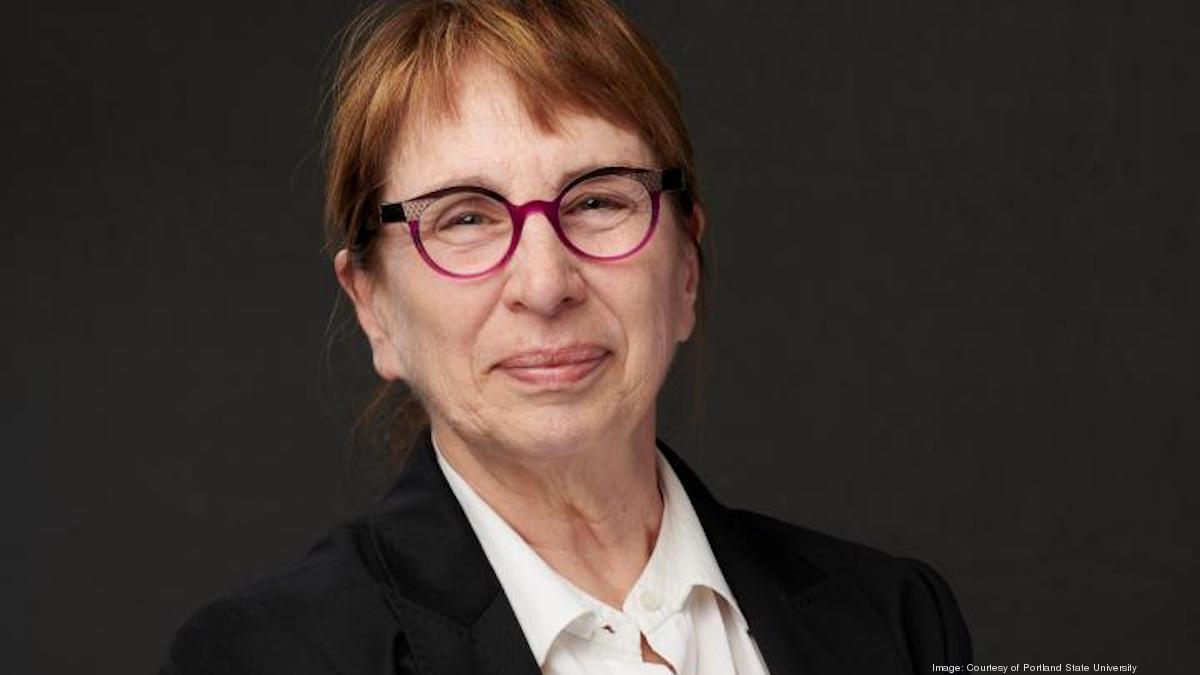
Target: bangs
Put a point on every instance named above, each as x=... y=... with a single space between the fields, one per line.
x=401 y=70
x=554 y=62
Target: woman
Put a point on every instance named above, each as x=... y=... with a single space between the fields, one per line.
x=513 y=201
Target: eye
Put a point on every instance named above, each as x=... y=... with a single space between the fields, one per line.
x=464 y=219
x=593 y=203
x=466 y=214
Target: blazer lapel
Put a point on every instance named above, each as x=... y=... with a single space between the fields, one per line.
x=803 y=620
x=440 y=585
x=761 y=589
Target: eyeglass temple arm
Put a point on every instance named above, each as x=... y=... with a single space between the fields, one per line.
x=676 y=180
x=673 y=179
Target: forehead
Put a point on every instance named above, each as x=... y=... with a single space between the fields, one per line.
x=491 y=140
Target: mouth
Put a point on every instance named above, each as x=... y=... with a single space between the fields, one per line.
x=554 y=367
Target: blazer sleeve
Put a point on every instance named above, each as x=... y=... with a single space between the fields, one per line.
x=934 y=629
x=236 y=636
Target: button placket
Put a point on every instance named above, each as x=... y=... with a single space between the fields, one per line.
x=614 y=631
x=650 y=600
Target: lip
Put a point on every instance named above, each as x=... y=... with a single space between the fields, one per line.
x=555 y=366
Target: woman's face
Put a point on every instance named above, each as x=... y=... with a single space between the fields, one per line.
x=551 y=352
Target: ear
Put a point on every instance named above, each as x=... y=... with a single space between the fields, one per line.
x=360 y=287
x=697 y=221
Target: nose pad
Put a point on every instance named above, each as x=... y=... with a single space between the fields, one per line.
x=539 y=236
x=542 y=272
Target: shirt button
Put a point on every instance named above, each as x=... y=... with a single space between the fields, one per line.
x=650 y=600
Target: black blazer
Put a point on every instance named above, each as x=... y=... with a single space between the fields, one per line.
x=408 y=589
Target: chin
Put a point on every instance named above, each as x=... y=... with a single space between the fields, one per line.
x=552 y=432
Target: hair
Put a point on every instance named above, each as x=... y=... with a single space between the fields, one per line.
x=399 y=68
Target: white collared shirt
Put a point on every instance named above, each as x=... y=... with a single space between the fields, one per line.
x=681 y=602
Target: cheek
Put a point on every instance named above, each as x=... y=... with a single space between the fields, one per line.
x=653 y=312
x=435 y=332
x=669 y=286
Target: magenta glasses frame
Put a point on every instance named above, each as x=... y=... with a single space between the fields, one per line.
x=656 y=181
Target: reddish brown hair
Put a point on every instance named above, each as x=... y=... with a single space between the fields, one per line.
x=398 y=70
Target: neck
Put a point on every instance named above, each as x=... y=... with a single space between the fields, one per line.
x=592 y=513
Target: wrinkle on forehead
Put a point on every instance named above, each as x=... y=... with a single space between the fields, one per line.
x=440 y=98
x=490 y=130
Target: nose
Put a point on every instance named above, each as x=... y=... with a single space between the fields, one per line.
x=543 y=276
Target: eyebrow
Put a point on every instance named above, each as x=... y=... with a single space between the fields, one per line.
x=480 y=181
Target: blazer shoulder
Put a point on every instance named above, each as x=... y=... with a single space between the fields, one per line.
x=909 y=596
x=233 y=635
x=325 y=614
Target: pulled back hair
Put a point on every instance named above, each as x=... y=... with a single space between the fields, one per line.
x=398 y=70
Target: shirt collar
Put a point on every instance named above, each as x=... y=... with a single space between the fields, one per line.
x=546 y=603
x=682 y=558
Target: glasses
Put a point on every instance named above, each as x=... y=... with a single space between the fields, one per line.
x=465 y=232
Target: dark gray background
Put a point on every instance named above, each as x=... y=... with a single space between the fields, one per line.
x=954 y=310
